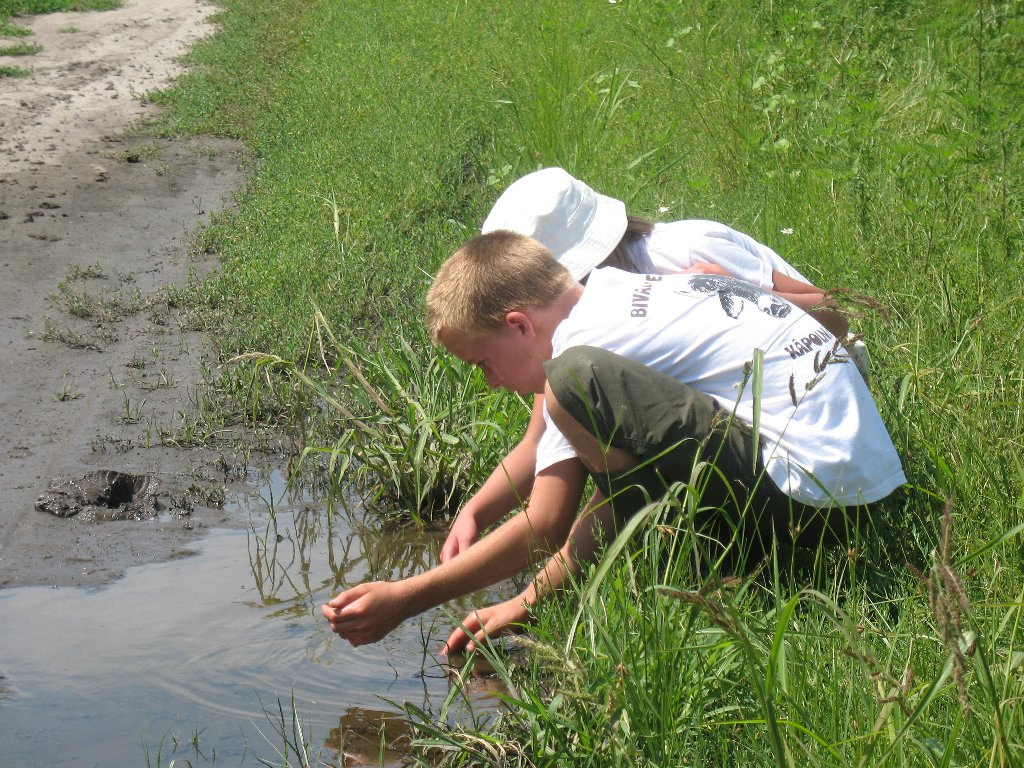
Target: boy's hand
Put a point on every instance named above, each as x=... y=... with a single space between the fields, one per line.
x=367 y=612
x=492 y=621
x=461 y=535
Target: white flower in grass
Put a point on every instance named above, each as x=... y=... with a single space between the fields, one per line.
x=664 y=208
x=786 y=230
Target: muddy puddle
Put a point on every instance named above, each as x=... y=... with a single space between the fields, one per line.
x=193 y=660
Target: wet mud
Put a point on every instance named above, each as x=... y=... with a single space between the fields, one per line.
x=102 y=495
x=100 y=369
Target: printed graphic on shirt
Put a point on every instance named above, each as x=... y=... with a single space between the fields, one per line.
x=821 y=340
x=734 y=295
x=642 y=296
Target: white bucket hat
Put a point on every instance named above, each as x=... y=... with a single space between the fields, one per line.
x=578 y=225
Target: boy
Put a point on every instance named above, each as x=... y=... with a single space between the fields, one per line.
x=643 y=376
x=584 y=230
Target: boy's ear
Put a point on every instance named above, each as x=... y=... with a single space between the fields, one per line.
x=520 y=322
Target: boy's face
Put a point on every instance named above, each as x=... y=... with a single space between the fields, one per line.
x=510 y=357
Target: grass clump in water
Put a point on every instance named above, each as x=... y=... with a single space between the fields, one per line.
x=412 y=430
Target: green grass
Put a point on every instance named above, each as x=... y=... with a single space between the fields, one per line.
x=878 y=148
x=20 y=49
x=663 y=666
x=8 y=71
x=21 y=7
x=12 y=30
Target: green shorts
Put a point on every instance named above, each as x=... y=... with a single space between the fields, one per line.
x=671 y=428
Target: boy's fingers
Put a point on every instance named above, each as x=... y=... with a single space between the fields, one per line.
x=486 y=632
x=456 y=642
x=478 y=639
x=479 y=632
x=344 y=614
x=459 y=637
x=349 y=595
x=450 y=549
x=331 y=612
x=327 y=611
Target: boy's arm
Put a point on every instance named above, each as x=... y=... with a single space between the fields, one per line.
x=507 y=487
x=369 y=611
x=594 y=529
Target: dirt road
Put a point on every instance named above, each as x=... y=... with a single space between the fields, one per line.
x=96 y=367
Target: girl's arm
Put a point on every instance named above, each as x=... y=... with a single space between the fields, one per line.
x=814 y=301
x=809 y=298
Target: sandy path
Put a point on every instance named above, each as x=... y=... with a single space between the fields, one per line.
x=86 y=80
x=78 y=391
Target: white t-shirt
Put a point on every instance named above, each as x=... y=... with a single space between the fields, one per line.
x=824 y=443
x=675 y=246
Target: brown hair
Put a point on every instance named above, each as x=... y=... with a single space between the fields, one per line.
x=490 y=276
x=636 y=229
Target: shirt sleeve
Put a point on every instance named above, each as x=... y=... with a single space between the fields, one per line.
x=553 y=446
x=676 y=246
x=734 y=259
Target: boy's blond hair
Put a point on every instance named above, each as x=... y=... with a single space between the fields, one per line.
x=490 y=276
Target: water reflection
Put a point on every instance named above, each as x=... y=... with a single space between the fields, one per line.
x=194 y=652
x=367 y=736
x=283 y=552
x=477 y=682
x=370 y=736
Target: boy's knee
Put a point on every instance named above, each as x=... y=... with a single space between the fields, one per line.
x=574 y=390
x=584 y=381
x=577 y=405
x=569 y=375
